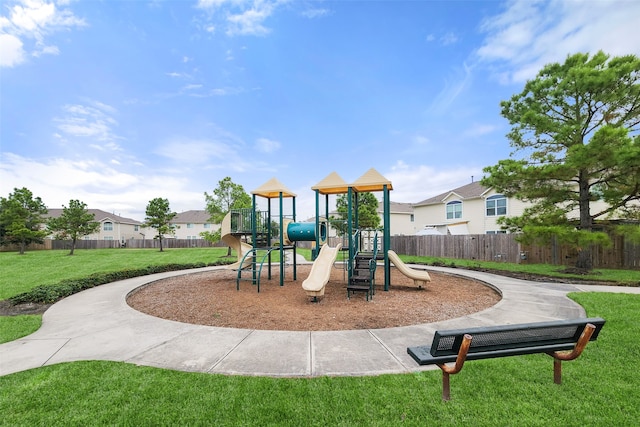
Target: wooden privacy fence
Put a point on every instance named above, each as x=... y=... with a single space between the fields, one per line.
x=621 y=254
x=483 y=247
x=108 y=244
x=503 y=247
x=134 y=243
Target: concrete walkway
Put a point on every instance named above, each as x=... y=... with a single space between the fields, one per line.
x=97 y=324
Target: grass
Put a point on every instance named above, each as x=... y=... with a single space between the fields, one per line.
x=617 y=277
x=20 y=273
x=601 y=388
x=14 y=327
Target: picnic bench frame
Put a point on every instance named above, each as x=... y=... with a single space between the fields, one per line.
x=561 y=339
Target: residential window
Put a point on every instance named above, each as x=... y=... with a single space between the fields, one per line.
x=136 y=228
x=207 y=225
x=454 y=210
x=496 y=205
x=496 y=232
x=189 y=225
x=108 y=237
x=107 y=226
x=412 y=218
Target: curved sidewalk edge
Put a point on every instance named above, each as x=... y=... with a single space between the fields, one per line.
x=97 y=324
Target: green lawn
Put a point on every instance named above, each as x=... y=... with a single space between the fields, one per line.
x=20 y=273
x=601 y=388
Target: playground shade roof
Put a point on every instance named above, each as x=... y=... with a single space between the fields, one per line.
x=371 y=181
x=332 y=184
x=272 y=189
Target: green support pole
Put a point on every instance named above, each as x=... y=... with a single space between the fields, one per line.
x=350 y=232
x=316 y=249
x=254 y=236
x=269 y=233
x=387 y=237
x=281 y=243
x=294 y=244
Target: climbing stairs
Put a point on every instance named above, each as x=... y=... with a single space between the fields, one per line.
x=363 y=275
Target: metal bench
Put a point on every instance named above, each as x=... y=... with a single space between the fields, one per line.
x=562 y=340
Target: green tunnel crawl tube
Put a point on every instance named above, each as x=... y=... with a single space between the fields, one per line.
x=304 y=232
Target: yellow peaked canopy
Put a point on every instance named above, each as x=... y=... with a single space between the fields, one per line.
x=272 y=189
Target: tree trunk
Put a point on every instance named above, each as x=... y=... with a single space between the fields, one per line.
x=23 y=245
x=586 y=222
x=584 y=260
x=228 y=251
x=73 y=246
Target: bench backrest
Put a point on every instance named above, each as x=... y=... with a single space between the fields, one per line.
x=556 y=335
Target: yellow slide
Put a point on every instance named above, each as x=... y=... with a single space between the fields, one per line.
x=321 y=271
x=234 y=243
x=420 y=277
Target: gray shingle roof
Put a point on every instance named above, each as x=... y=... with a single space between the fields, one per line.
x=469 y=191
x=397 y=207
x=99 y=215
x=192 y=217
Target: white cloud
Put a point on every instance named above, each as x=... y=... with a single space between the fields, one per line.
x=93 y=121
x=448 y=39
x=33 y=21
x=414 y=183
x=479 y=130
x=527 y=35
x=188 y=151
x=316 y=13
x=250 y=22
x=266 y=145
x=239 y=17
x=11 y=51
x=101 y=185
x=453 y=88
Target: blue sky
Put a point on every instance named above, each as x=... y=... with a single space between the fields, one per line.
x=115 y=103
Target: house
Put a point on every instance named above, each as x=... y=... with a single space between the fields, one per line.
x=112 y=226
x=469 y=209
x=401 y=217
x=189 y=224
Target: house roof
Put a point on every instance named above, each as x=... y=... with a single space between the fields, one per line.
x=397 y=207
x=99 y=215
x=472 y=190
x=192 y=217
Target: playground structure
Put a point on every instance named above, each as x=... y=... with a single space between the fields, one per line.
x=321 y=271
x=263 y=235
x=420 y=277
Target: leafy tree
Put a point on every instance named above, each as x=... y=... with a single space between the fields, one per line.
x=367 y=212
x=74 y=222
x=573 y=126
x=227 y=196
x=21 y=217
x=159 y=216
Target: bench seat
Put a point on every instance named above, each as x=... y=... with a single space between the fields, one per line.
x=554 y=338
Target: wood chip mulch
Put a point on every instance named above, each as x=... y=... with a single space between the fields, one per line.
x=211 y=299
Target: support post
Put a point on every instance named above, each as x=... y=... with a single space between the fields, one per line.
x=457 y=367
x=559 y=356
x=386 y=236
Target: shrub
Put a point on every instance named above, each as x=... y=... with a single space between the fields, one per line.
x=48 y=294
